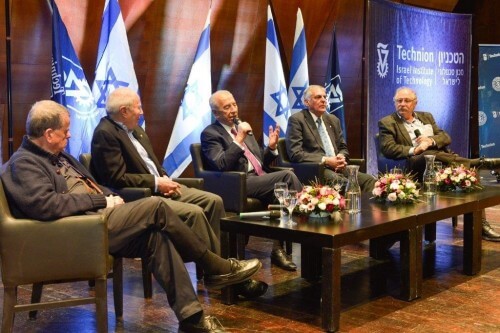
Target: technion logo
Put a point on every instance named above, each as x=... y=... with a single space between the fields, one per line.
x=382 y=64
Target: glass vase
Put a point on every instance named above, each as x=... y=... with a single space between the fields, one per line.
x=429 y=178
x=353 y=190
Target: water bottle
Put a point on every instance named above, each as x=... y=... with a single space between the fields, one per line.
x=429 y=178
x=353 y=190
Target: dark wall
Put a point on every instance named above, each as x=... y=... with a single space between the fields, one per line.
x=163 y=43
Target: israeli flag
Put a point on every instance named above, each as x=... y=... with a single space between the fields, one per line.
x=194 y=112
x=114 y=67
x=333 y=85
x=71 y=89
x=299 y=75
x=276 y=106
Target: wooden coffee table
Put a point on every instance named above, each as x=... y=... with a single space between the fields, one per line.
x=329 y=238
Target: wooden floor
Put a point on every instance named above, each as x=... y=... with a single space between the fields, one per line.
x=451 y=301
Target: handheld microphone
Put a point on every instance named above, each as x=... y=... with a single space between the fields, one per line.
x=237 y=121
x=417 y=132
x=270 y=213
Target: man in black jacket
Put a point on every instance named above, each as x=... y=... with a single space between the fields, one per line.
x=42 y=182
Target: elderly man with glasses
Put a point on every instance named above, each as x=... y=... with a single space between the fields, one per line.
x=409 y=134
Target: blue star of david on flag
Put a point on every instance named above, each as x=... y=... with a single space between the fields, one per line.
x=192 y=100
x=281 y=99
x=112 y=83
x=298 y=94
x=114 y=62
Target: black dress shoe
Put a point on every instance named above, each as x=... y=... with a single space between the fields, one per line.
x=207 y=324
x=489 y=163
x=282 y=260
x=241 y=270
x=489 y=234
x=251 y=289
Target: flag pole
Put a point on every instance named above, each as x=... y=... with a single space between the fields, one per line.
x=9 y=78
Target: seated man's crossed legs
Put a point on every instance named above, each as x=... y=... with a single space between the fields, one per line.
x=148 y=228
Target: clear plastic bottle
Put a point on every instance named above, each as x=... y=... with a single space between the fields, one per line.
x=353 y=190
x=429 y=178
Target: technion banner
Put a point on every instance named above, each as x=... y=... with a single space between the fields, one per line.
x=489 y=100
x=427 y=51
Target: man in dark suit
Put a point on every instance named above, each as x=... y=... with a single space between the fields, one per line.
x=122 y=156
x=305 y=143
x=226 y=147
x=408 y=134
x=43 y=182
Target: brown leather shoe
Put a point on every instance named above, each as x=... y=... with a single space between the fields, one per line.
x=241 y=270
x=207 y=324
x=282 y=260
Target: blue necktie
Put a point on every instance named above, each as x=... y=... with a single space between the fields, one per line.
x=325 y=139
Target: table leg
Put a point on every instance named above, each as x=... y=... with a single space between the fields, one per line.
x=411 y=263
x=380 y=245
x=310 y=259
x=472 y=242
x=430 y=232
x=330 y=290
x=229 y=249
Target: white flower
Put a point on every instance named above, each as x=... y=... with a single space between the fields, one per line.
x=392 y=197
x=395 y=185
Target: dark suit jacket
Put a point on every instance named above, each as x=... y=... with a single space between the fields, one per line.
x=116 y=162
x=303 y=143
x=220 y=153
x=395 y=142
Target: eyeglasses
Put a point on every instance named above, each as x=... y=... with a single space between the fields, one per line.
x=404 y=100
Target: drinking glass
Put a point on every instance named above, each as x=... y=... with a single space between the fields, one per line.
x=290 y=201
x=280 y=190
x=397 y=171
x=438 y=165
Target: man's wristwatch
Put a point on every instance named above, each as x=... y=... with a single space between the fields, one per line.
x=323 y=160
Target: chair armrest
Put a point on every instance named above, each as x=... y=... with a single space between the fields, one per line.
x=307 y=172
x=191 y=182
x=280 y=168
x=360 y=162
x=231 y=186
x=133 y=193
x=74 y=247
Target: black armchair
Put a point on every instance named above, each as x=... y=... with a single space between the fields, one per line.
x=386 y=164
x=233 y=193
x=308 y=171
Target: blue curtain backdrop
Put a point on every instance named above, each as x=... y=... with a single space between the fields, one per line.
x=425 y=50
x=489 y=100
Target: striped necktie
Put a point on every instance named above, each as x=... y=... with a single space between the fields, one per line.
x=325 y=139
x=250 y=157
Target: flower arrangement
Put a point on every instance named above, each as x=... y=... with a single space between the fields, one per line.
x=395 y=188
x=319 y=199
x=458 y=178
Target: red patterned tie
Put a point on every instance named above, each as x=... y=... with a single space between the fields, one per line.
x=250 y=157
